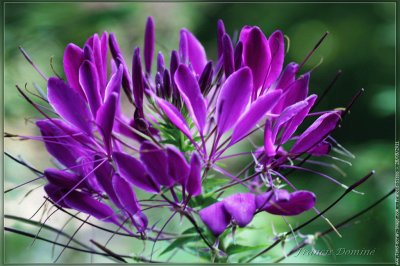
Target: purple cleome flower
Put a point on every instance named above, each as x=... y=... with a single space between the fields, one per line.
x=177 y=110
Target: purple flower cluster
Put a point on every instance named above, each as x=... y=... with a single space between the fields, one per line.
x=184 y=117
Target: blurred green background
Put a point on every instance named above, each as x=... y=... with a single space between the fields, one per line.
x=361 y=43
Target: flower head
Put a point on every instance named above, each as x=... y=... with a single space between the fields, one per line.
x=105 y=151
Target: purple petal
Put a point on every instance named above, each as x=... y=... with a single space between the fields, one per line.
x=238 y=55
x=269 y=198
x=215 y=217
x=191 y=94
x=287 y=115
x=88 y=53
x=220 y=35
x=292 y=125
x=233 y=99
x=140 y=221
x=206 y=78
x=61 y=178
x=114 y=47
x=288 y=76
x=104 y=52
x=193 y=184
x=99 y=62
x=160 y=63
x=73 y=58
x=178 y=168
x=149 y=41
x=167 y=83
x=124 y=127
x=229 y=65
x=69 y=104
x=89 y=81
x=113 y=66
x=174 y=62
x=277 y=47
x=241 y=207
x=256 y=111
x=174 y=116
x=105 y=119
x=197 y=54
x=244 y=33
x=317 y=132
x=90 y=40
x=299 y=201
x=104 y=173
x=119 y=60
x=297 y=91
x=114 y=85
x=85 y=203
x=256 y=54
x=59 y=143
x=321 y=149
x=155 y=161
x=269 y=139
x=125 y=194
x=85 y=168
x=159 y=88
x=138 y=82
x=183 y=47
x=55 y=193
x=134 y=172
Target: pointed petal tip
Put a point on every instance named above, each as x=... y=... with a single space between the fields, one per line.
x=215 y=217
x=241 y=207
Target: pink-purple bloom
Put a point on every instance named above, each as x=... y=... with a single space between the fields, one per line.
x=178 y=109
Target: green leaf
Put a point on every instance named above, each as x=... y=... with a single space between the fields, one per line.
x=179 y=243
x=234 y=249
x=201 y=252
x=191 y=230
x=202 y=201
x=187 y=236
x=211 y=184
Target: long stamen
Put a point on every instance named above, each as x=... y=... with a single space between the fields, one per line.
x=41 y=227
x=80 y=182
x=23 y=163
x=224 y=172
x=70 y=239
x=233 y=155
x=31 y=62
x=343 y=150
x=49 y=118
x=327 y=90
x=59 y=233
x=158 y=235
x=313 y=50
x=320 y=174
x=353 y=100
x=329 y=165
